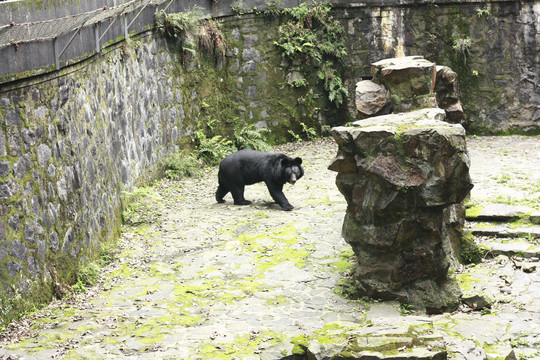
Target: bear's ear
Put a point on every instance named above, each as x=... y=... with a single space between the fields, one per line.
x=298 y=161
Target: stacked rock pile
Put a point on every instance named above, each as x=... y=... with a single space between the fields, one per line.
x=404 y=177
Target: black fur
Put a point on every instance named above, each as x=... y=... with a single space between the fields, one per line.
x=247 y=167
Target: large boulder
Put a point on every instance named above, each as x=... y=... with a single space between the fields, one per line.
x=410 y=80
x=371 y=98
x=403 y=176
x=446 y=89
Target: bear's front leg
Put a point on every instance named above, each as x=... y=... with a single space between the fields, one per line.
x=276 y=191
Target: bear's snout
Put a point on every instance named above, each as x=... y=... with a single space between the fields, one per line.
x=292 y=180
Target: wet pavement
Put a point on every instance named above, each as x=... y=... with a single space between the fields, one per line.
x=219 y=281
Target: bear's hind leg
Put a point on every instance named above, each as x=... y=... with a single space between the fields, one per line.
x=220 y=193
x=238 y=195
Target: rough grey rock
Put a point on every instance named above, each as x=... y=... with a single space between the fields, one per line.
x=21 y=167
x=29 y=138
x=14 y=142
x=13 y=117
x=18 y=250
x=44 y=153
x=447 y=91
x=5 y=168
x=3 y=151
x=370 y=97
x=5 y=191
x=68 y=240
x=4 y=248
x=54 y=242
x=13 y=268
x=14 y=222
x=398 y=184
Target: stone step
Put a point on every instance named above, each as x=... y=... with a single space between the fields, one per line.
x=529 y=232
x=507 y=239
x=503 y=212
x=511 y=247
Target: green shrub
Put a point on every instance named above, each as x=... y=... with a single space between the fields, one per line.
x=249 y=137
x=182 y=165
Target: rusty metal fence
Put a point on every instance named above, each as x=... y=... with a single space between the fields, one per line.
x=34 y=48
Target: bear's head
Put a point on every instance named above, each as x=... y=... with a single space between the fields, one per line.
x=292 y=170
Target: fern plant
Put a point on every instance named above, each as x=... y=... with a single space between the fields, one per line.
x=211 y=149
x=249 y=137
x=313 y=39
x=180 y=165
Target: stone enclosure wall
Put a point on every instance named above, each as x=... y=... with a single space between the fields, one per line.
x=69 y=147
x=493 y=47
x=71 y=142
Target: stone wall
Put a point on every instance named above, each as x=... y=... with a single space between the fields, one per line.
x=493 y=46
x=68 y=147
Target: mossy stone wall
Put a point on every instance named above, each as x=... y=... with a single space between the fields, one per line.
x=493 y=46
x=69 y=145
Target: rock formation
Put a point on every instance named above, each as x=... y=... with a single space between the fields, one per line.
x=404 y=177
x=408 y=83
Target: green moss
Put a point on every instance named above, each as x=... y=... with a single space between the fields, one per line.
x=466 y=281
x=346 y=261
x=473 y=212
x=242 y=346
x=469 y=252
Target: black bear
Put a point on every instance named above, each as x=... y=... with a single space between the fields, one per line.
x=246 y=167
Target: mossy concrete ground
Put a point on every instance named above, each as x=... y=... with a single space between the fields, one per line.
x=219 y=281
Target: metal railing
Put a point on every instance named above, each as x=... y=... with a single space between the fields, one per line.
x=36 y=47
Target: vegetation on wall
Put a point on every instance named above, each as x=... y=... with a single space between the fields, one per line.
x=312 y=40
x=193 y=32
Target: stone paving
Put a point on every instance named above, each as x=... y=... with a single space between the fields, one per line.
x=218 y=281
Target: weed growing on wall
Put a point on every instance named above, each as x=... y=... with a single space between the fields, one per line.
x=193 y=32
x=312 y=40
x=273 y=8
x=462 y=46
